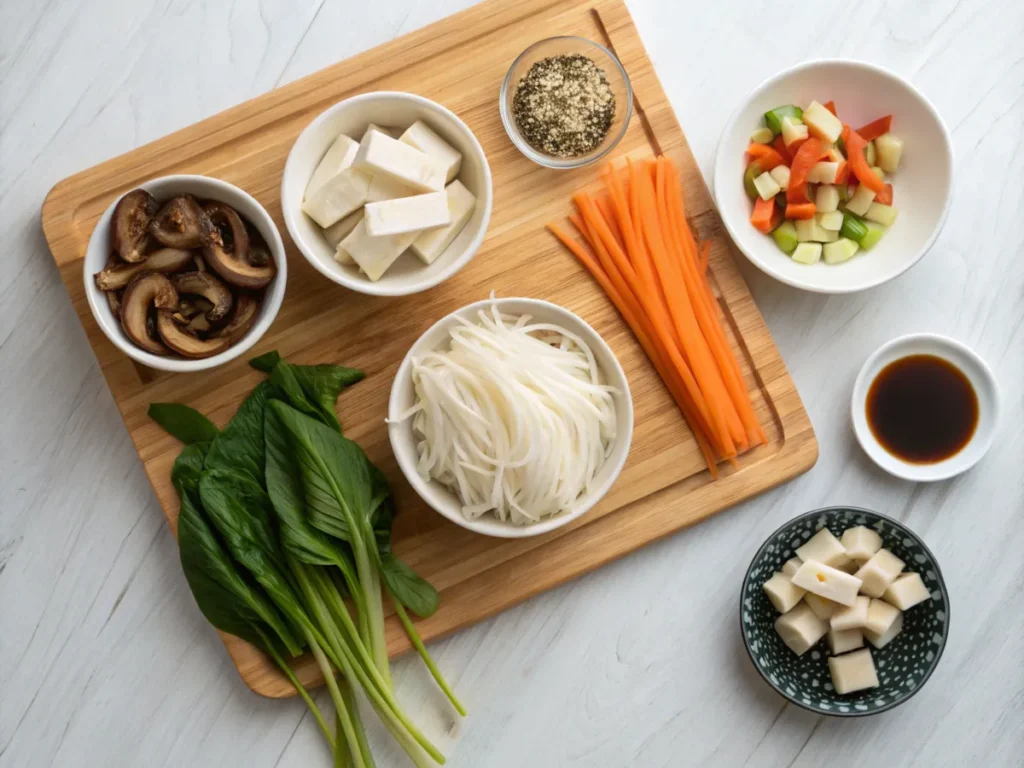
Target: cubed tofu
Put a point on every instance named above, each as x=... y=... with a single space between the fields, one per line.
x=339 y=230
x=807 y=253
x=386 y=188
x=822 y=608
x=766 y=186
x=861 y=543
x=432 y=242
x=387 y=130
x=826 y=200
x=827 y=582
x=843 y=640
x=374 y=255
x=853 y=672
x=379 y=153
x=791 y=566
x=822 y=123
x=906 y=591
x=422 y=137
x=823 y=547
x=881 y=615
x=879 y=572
x=407 y=214
x=782 y=593
x=793 y=131
x=853 y=616
x=338 y=157
x=338 y=197
x=781 y=175
x=882 y=640
x=800 y=629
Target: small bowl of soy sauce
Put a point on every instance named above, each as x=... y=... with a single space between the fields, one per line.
x=925 y=407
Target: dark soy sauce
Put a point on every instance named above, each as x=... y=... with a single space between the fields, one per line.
x=922 y=409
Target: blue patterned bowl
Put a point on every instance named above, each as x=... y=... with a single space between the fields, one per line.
x=904 y=665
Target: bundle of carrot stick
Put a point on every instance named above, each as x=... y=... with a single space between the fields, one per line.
x=639 y=248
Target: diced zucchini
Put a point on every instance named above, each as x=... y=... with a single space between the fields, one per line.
x=861 y=200
x=826 y=199
x=883 y=214
x=752 y=172
x=766 y=186
x=822 y=123
x=890 y=151
x=823 y=172
x=762 y=136
x=773 y=117
x=807 y=253
x=839 y=251
x=878 y=172
x=873 y=235
x=793 y=131
x=806 y=230
x=781 y=175
x=832 y=221
x=870 y=154
x=854 y=227
x=785 y=236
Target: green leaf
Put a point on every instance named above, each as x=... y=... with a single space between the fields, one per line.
x=407 y=587
x=266 y=361
x=314 y=389
x=183 y=422
x=239 y=446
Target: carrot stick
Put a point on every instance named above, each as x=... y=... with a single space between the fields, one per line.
x=604 y=205
x=705 y=254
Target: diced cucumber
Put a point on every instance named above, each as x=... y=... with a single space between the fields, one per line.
x=807 y=253
x=806 y=230
x=883 y=214
x=785 y=236
x=822 y=123
x=870 y=154
x=832 y=221
x=861 y=200
x=793 y=131
x=878 y=172
x=762 y=136
x=781 y=175
x=874 y=234
x=752 y=172
x=841 y=250
x=773 y=117
x=890 y=151
x=823 y=172
x=826 y=199
x=854 y=227
x=766 y=186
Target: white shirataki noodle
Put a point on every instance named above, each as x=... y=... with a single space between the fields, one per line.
x=512 y=417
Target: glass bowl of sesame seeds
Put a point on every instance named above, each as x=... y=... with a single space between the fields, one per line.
x=566 y=102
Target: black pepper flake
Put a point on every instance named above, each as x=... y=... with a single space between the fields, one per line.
x=564 y=106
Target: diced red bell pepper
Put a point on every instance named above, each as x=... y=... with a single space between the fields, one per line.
x=885 y=196
x=831 y=107
x=766 y=155
x=780 y=147
x=858 y=163
x=810 y=152
x=873 y=130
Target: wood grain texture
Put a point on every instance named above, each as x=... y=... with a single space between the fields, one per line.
x=459 y=63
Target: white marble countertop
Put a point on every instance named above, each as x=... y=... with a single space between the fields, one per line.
x=104 y=659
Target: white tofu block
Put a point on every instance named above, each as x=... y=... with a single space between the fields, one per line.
x=907 y=591
x=822 y=608
x=432 y=242
x=861 y=543
x=407 y=214
x=882 y=640
x=853 y=671
x=800 y=629
x=843 y=640
x=339 y=197
x=879 y=572
x=853 y=616
x=340 y=229
x=379 y=153
x=386 y=188
x=791 y=566
x=387 y=130
x=781 y=592
x=422 y=137
x=343 y=257
x=881 y=615
x=827 y=582
x=374 y=254
x=823 y=547
x=338 y=157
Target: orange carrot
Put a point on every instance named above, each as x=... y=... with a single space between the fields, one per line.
x=831 y=107
x=885 y=196
x=876 y=128
x=800 y=211
x=705 y=254
x=858 y=163
x=765 y=155
x=766 y=215
x=780 y=146
x=605 y=206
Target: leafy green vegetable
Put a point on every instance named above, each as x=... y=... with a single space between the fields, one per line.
x=239 y=446
x=314 y=389
x=407 y=587
x=183 y=422
x=266 y=361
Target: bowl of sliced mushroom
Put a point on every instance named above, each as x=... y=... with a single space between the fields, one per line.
x=185 y=273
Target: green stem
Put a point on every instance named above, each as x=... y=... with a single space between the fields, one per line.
x=357 y=598
x=414 y=638
x=375 y=611
x=353 y=708
x=342 y=757
x=339 y=704
x=303 y=693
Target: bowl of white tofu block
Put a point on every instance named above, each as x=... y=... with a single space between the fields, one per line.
x=844 y=612
x=387 y=193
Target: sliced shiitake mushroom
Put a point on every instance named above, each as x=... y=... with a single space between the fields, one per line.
x=182 y=341
x=181 y=223
x=114 y=302
x=190 y=306
x=130 y=224
x=228 y=254
x=148 y=290
x=242 y=318
x=117 y=275
x=210 y=288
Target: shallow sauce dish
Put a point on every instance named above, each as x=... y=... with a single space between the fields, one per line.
x=204 y=187
x=403 y=440
x=351 y=116
x=904 y=665
x=922 y=187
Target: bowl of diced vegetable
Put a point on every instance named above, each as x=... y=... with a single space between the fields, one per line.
x=834 y=176
x=844 y=612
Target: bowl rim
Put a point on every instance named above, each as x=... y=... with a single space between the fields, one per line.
x=364 y=285
x=273 y=296
x=895 y=466
x=548 y=161
x=938 y=577
x=492 y=526
x=875 y=69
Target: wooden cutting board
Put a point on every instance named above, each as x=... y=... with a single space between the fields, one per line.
x=459 y=62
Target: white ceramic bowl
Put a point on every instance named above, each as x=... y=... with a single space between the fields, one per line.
x=351 y=116
x=164 y=188
x=982 y=381
x=922 y=187
x=403 y=441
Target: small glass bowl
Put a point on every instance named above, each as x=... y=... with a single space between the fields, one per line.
x=617 y=78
